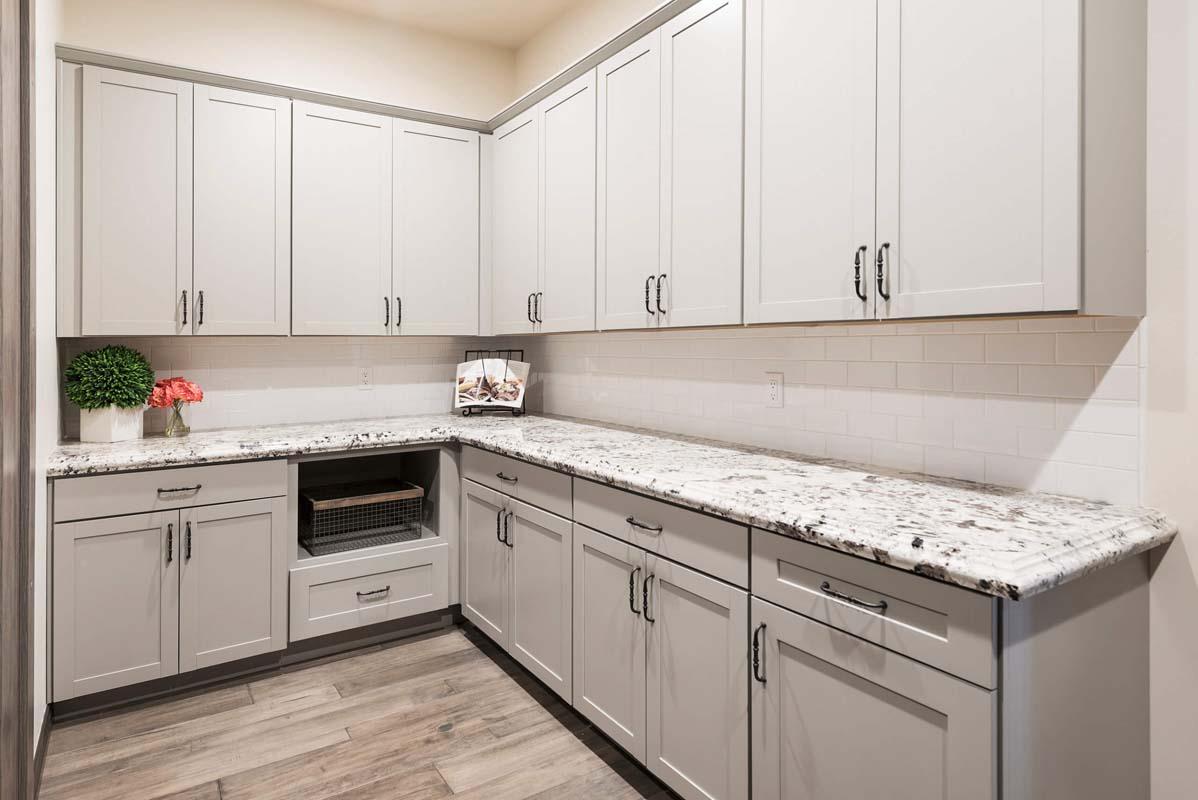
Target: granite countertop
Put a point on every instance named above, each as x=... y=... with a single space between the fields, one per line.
x=1003 y=542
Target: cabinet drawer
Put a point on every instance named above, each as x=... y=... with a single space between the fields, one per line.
x=711 y=545
x=155 y=490
x=534 y=485
x=363 y=591
x=945 y=626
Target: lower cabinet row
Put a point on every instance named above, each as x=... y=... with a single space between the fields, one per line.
x=703 y=683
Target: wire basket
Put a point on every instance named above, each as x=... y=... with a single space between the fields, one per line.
x=349 y=516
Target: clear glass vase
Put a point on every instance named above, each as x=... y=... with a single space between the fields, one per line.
x=175 y=426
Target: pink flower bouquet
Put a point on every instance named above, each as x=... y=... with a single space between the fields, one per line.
x=172 y=393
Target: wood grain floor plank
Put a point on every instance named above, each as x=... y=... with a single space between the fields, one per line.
x=146 y=718
x=603 y=782
x=558 y=759
x=545 y=742
x=421 y=784
x=207 y=791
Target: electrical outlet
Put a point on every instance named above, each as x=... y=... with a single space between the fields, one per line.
x=773 y=389
x=365 y=378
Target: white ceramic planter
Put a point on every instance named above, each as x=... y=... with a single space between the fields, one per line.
x=110 y=424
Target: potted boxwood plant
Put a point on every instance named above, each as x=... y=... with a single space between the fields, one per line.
x=110 y=386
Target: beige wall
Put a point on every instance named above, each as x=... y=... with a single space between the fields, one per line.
x=572 y=36
x=47 y=19
x=1171 y=419
x=304 y=46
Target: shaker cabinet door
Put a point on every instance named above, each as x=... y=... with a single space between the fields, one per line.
x=810 y=73
x=567 y=285
x=979 y=156
x=541 y=597
x=242 y=274
x=136 y=183
x=116 y=602
x=834 y=717
x=341 y=209
x=485 y=565
x=701 y=167
x=232 y=595
x=628 y=222
x=609 y=637
x=697 y=695
x=435 y=252
x=515 y=231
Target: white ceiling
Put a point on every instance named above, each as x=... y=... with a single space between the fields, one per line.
x=506 y=23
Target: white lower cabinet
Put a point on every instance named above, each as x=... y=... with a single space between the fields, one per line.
x=146 y=596
x=660 y=662
x=837 y=717
x=516 y=581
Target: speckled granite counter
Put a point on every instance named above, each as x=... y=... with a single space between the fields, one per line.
x=1004 y=542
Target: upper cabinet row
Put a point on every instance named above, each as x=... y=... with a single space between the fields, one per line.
x=190 y=209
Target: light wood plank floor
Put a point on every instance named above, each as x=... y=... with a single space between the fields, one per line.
x=446 y=715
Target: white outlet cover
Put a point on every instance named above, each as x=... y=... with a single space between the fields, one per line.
x=775 y=383
x=365 y=378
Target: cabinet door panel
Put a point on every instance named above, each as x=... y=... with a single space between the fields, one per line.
x=609 y=638
x=232 y=592
x=567 y=283
x=809 y=159
x=116 y=602
x=701 y=137
x=541 y=595
x=436 y=230
x=515 y=261
x=341 y=201
x=485 y=567
x=628 y=225
x=832 y=703
x=242 y=213
x=697 y=683
x=136 y=227
x=978 y=156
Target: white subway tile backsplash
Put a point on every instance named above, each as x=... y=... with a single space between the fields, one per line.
x=1097 y=348
x=1056 y=381
x=896 y=348
x=848 y=348
x=956 y=348
x=1021 y=348
x=986 y=378
x=935 y=377
x=872 y=374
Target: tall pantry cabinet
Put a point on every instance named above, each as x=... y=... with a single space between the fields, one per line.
x=669 y=191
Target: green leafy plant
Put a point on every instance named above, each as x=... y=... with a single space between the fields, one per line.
x=111 y=376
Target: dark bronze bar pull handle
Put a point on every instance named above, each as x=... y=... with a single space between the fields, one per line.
x=827 y=589
x=883 y=257
x=632 y=591
x=857 y=262
x=507 y=530
x=506 y=478
x=498 y=523
x=184 y=306
x=758 y=662
x=398 y=312
x=648 y=281
x=387 y=311
x=200 y=307
x=660 y=278
x=645 y=526
x=187 y=543
x=530 y=319
x=373 y=593
x=536 y=306
x=170 y=542
x=180 y=489
x=645 y=597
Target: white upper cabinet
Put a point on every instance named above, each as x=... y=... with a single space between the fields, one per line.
x=566 y=300
x=701 y=166
x=242 y=258
x=515 y=233
x=341 y=207
x=978 y=156
x=628 y=226
x=136 y=174
x=809 y=160
x=435 y=248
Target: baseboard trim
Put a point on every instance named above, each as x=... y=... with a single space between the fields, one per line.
x=39 y=752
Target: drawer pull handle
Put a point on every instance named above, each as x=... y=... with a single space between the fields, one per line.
x=758 y=662
x=632 y=591
x=170 y=542
x=827 y=589
x=187 y=543
x=645 y=526
x=180 y=489
x=498 y=524
x=645 y=597
x=373 y=593
x=507 y=533
x=507 y=478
